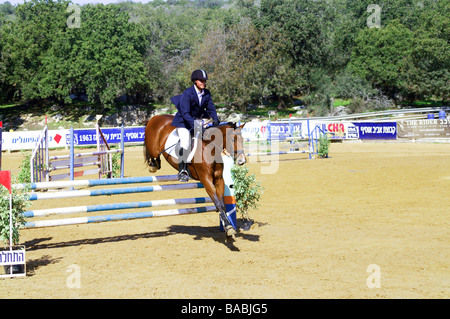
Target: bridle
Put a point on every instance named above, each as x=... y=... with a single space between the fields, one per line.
x=236 y=132
x=229 y=136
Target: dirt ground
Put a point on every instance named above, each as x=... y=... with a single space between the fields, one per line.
x=321 y=227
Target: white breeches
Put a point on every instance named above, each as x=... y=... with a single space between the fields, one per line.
x=185 y=137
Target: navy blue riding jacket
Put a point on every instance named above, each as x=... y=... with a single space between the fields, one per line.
x=189 y=108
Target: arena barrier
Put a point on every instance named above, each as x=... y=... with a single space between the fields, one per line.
x=229 y=199
x=269 y=149
x=41 y=164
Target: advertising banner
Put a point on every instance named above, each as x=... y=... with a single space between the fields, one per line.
x=377 y=131
x=112 y=135
x=337 y=130
x=26 y=140
x=427 y=128
x=255 y=130
x=281 y=130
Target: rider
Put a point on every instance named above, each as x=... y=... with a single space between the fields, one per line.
x=195 y=102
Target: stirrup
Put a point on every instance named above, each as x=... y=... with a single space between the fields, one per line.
x=183 y=176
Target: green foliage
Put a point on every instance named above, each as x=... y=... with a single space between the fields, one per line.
x=116 y=165
x=349 y=85
x=244 y=64
x=247 y=190
x=254 y=51
x=24 y=175
x=379 y=55
x=20 y=204
x=324 y=144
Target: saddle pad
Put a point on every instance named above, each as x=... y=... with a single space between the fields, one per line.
x=173 y=139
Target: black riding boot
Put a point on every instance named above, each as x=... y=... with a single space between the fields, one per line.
x=183 y=174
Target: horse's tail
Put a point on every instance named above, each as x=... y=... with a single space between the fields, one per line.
x=153 y=161
x=147 y=156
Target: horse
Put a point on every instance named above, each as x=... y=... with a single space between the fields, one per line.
x=203 y=167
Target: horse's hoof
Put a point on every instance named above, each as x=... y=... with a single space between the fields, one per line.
x=230 y=231
x=153 y=169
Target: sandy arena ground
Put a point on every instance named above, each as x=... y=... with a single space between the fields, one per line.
x=321 y=224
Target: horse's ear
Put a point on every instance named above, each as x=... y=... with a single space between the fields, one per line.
x=242 y=126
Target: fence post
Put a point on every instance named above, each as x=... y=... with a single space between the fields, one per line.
x=71 y=155
x=97 y=134
x=47 y=162
x=309 y=139
x=122 y=155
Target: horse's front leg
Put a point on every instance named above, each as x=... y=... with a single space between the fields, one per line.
x=219 y=184
x=215 y=190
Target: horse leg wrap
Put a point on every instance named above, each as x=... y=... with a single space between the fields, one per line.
x=224 y=219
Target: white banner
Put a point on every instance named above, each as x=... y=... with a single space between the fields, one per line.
x=26 y=140
x=280 y=130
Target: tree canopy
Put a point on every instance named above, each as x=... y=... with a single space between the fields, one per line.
x=254 y=51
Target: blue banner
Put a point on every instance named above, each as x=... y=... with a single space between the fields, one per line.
x=377 y=131
x=112 y=135
x=283 y=130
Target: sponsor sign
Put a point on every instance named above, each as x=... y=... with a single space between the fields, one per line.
x=377 y=131
x=283 y=130
x=426 y=128
x=23 y=140
x=260 y=130
x=26 y=140
x=112 y=135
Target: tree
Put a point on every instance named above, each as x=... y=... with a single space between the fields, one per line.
x=244 y=64
x=309 y=26
x=379 y=56
x=106 y=55
x=427 y=69
x=47 y=59
x=26 y=40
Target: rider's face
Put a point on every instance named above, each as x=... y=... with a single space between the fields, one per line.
x=201 y=84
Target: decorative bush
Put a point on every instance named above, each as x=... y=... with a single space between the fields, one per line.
x=20 y=204
x=247 y=190
x=324 y=143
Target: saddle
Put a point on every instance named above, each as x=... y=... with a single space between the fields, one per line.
x=174 y=139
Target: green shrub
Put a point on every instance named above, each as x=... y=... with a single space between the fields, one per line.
x=247 y=190
x=116 y=162
x=24 y=175
x=324 y=143
x=20 y=204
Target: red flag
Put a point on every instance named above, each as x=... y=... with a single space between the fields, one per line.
x=5 y=179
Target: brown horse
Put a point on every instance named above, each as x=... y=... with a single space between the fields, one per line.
x=203 y=167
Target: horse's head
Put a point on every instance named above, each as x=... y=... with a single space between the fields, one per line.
x=226 y=136
x=234 y=143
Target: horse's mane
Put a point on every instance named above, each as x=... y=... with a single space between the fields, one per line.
x=232 y=124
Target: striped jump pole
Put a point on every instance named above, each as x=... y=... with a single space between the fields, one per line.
x=116 y=217
x=277 y=153
x=112 y=191
x=117 y=206
x=97 y=182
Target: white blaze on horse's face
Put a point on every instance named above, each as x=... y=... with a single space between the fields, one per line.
x=235 y=145
x=241 y=159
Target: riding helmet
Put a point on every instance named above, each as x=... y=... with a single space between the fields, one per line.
x=199 y=75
